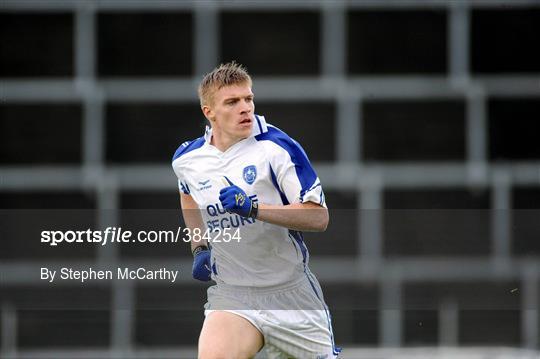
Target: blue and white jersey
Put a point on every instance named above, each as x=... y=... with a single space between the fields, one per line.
x=271 y=168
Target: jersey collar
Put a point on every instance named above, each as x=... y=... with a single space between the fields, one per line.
x=259 y=126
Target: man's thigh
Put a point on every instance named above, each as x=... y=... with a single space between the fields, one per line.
x=228 y=335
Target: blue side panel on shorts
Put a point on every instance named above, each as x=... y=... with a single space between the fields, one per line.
x=305 y=172
x=188 y=147
x=335 y=349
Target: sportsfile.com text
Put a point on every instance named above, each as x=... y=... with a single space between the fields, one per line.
x=119 y=235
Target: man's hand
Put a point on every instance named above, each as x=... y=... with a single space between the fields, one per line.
x=235 y=200
x=201 y=264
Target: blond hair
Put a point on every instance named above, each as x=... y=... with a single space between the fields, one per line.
x=231 y=73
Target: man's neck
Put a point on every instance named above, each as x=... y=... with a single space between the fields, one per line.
x=223 y=142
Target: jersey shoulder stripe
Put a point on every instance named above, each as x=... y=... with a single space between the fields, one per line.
x=187 y=147
x=305 y=172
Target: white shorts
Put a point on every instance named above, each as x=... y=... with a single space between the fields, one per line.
x=293 y=319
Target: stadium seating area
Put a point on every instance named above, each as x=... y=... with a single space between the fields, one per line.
x=421 y=118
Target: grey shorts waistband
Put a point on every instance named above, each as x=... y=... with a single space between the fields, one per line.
x=293 y=284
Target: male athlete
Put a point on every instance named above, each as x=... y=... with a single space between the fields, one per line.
x=248 y=178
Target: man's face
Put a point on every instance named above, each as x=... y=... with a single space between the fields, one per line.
x=231 y=111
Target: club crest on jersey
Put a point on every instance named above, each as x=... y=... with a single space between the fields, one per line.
x=250 y=174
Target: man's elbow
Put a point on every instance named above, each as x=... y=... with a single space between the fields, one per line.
x=322 y=221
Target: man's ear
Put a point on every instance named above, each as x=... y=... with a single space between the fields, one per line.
x=208 y=113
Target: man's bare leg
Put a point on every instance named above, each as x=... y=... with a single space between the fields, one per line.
x=228 y=335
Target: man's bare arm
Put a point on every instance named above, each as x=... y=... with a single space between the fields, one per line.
x=192 y=218
x=309 y=216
